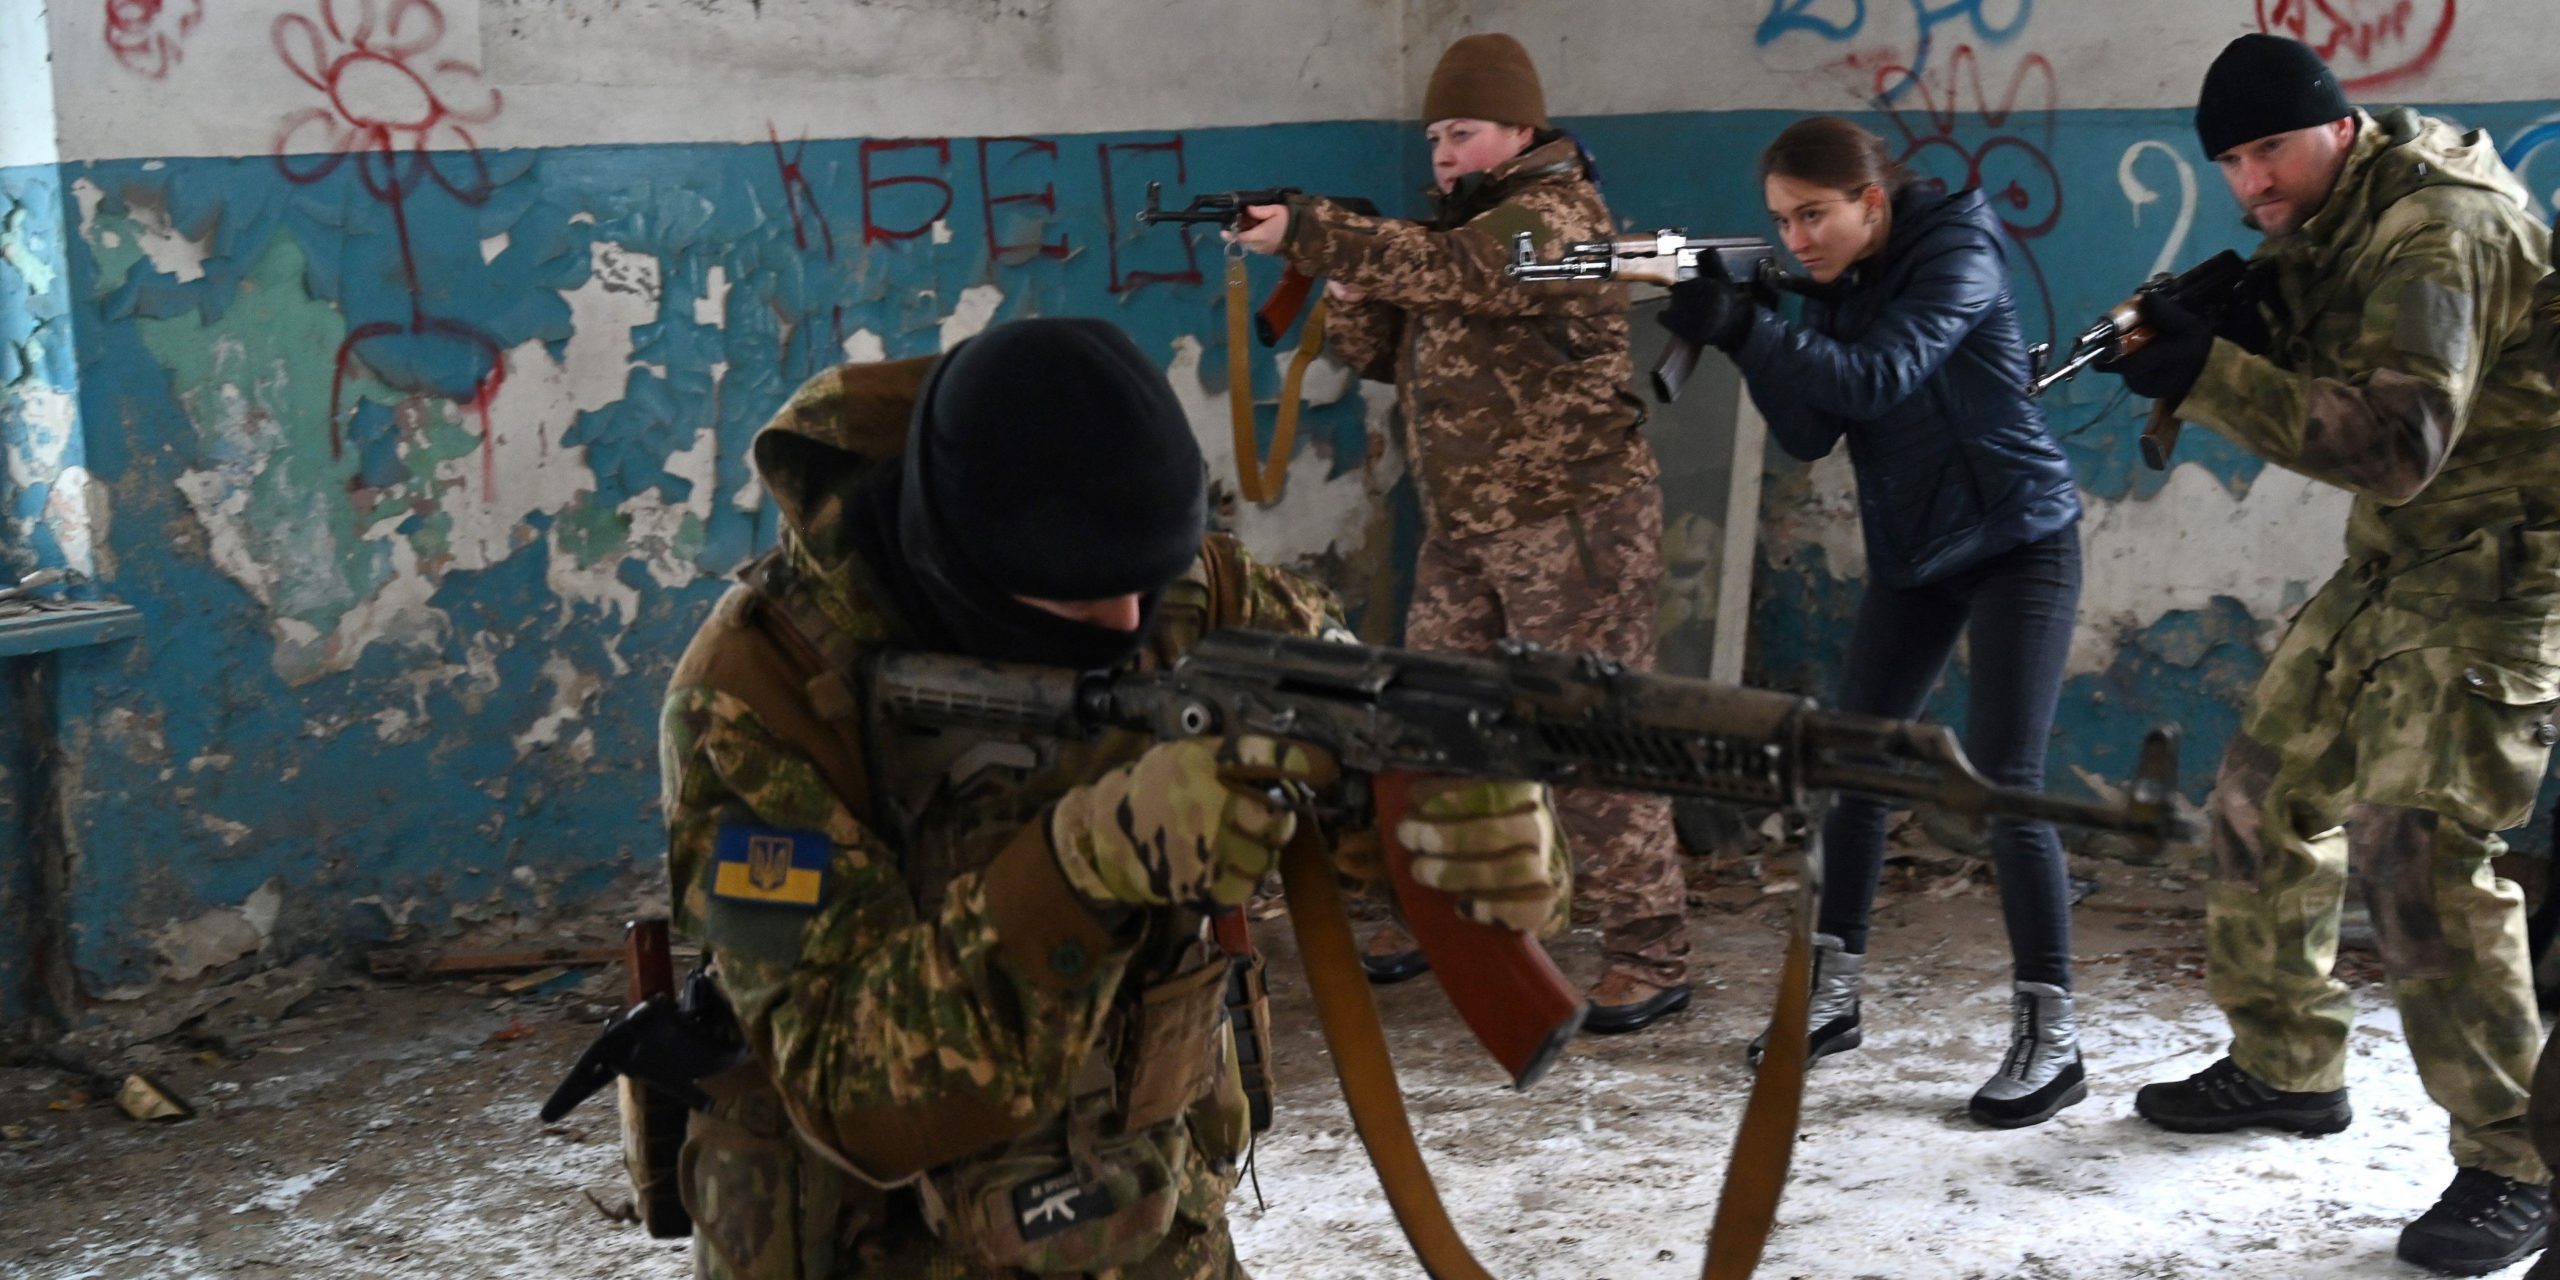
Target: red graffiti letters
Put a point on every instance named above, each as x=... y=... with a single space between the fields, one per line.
x=872 y=230
x=1046 y=199
x=1976 y=143
x=1133 y=280
x=2371 y=44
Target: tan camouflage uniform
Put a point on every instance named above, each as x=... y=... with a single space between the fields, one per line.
x=2405 y=717
x=1541 y=503
x=947 y=1009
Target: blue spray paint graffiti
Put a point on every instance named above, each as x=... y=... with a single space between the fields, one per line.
x=1786 y=17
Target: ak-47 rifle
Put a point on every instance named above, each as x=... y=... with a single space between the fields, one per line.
x=2206 y=289
x=1666 y=257
x=1226 y=208
x=1259 y=471
x=1569 y=719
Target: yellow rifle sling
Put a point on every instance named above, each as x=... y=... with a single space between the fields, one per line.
x=1259 y=475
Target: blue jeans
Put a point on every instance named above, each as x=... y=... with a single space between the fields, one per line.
x=2017 y=609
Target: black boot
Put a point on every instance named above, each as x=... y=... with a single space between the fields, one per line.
x=2223 y=1097
x=2484 y=1222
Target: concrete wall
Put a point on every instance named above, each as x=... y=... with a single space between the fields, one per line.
x=419 y=345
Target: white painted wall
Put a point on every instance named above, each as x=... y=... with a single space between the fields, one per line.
x=1682 y=55
x=202 y=77
x=26 y=86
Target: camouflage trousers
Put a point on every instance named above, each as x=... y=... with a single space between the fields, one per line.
x=2370 y=745
x=1583 y=580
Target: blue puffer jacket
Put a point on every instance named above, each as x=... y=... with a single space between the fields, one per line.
x=1916 y=357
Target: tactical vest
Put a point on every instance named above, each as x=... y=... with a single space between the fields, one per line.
x=1097 y=1185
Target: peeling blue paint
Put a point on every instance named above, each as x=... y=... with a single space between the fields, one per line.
x=396 y=774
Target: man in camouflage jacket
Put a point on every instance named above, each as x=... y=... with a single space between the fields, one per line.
x=2405 y=718
x=1542 y=506
x=986 y=1035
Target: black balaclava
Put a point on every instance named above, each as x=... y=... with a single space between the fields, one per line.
x=2262 y=85
x=1047 y=458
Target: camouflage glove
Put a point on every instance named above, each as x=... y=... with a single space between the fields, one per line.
x=1192 y=823
x=1494 y=846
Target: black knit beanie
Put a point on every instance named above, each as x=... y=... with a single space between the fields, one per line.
x=2263 y=85
x=1053 y=456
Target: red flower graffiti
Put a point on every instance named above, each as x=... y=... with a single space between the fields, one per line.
x=146 y=35
x=388 y=107
x=404 y=120
x=2370 y=43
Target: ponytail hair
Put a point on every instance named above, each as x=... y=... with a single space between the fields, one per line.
x=1828 y=151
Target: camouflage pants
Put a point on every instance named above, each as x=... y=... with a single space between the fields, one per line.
x=1583 y=580
x=2371 y=745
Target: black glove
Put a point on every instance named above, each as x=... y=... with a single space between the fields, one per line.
x=1710 y=310
x=2246 y=313
x=2165 y=369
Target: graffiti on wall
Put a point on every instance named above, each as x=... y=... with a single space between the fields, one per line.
x=403 y=117
x=1956 y=131
x=1996 y=22
x=2371 y=44
x=148 y=37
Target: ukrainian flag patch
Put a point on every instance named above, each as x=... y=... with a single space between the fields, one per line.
x=771 y=866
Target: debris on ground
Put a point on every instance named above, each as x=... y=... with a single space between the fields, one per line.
x=144 y=1099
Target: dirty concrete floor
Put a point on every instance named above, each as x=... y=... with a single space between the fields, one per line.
x=388 y=1130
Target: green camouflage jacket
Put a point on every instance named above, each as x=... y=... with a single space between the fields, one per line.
x=896 y=1018
x=2400 y=367
x=1514 y=399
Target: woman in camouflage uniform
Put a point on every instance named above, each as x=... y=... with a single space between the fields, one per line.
x=1542 y=507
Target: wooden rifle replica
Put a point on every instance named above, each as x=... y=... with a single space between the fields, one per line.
x=1388 y=715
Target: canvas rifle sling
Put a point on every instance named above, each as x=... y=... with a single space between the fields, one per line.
x=1260 y=475
x=1763 y=1145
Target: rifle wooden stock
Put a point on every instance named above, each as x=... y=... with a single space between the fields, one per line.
x=2160 y=436
x=651 y=966
x=1503 y=984
x=1281 y=309
x=653 y=1120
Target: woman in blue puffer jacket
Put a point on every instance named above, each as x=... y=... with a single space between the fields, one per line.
x=1909 y=349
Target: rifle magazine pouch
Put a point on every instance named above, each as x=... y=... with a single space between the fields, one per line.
x=1173 y=1048
x=1034 y=1207
x=764 y=1204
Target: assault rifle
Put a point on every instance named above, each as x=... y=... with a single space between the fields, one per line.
x=1568 y=719
x=1666 y=257
x=2206 y=289
x=1226 y=208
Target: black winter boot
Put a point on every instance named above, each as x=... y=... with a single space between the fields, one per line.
x=2223 y=1097
x=2484 y=1222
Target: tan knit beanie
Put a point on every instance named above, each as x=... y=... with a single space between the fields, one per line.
x=1486 y=77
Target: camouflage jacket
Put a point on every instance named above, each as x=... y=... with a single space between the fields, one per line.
x=904 y=1004
x=1514 y=399
x=2399 y=367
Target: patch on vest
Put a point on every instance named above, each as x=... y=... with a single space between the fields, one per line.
x=1050 y=1205
x=771 y=866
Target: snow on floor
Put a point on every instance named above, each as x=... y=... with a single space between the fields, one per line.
x=396 y=1137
